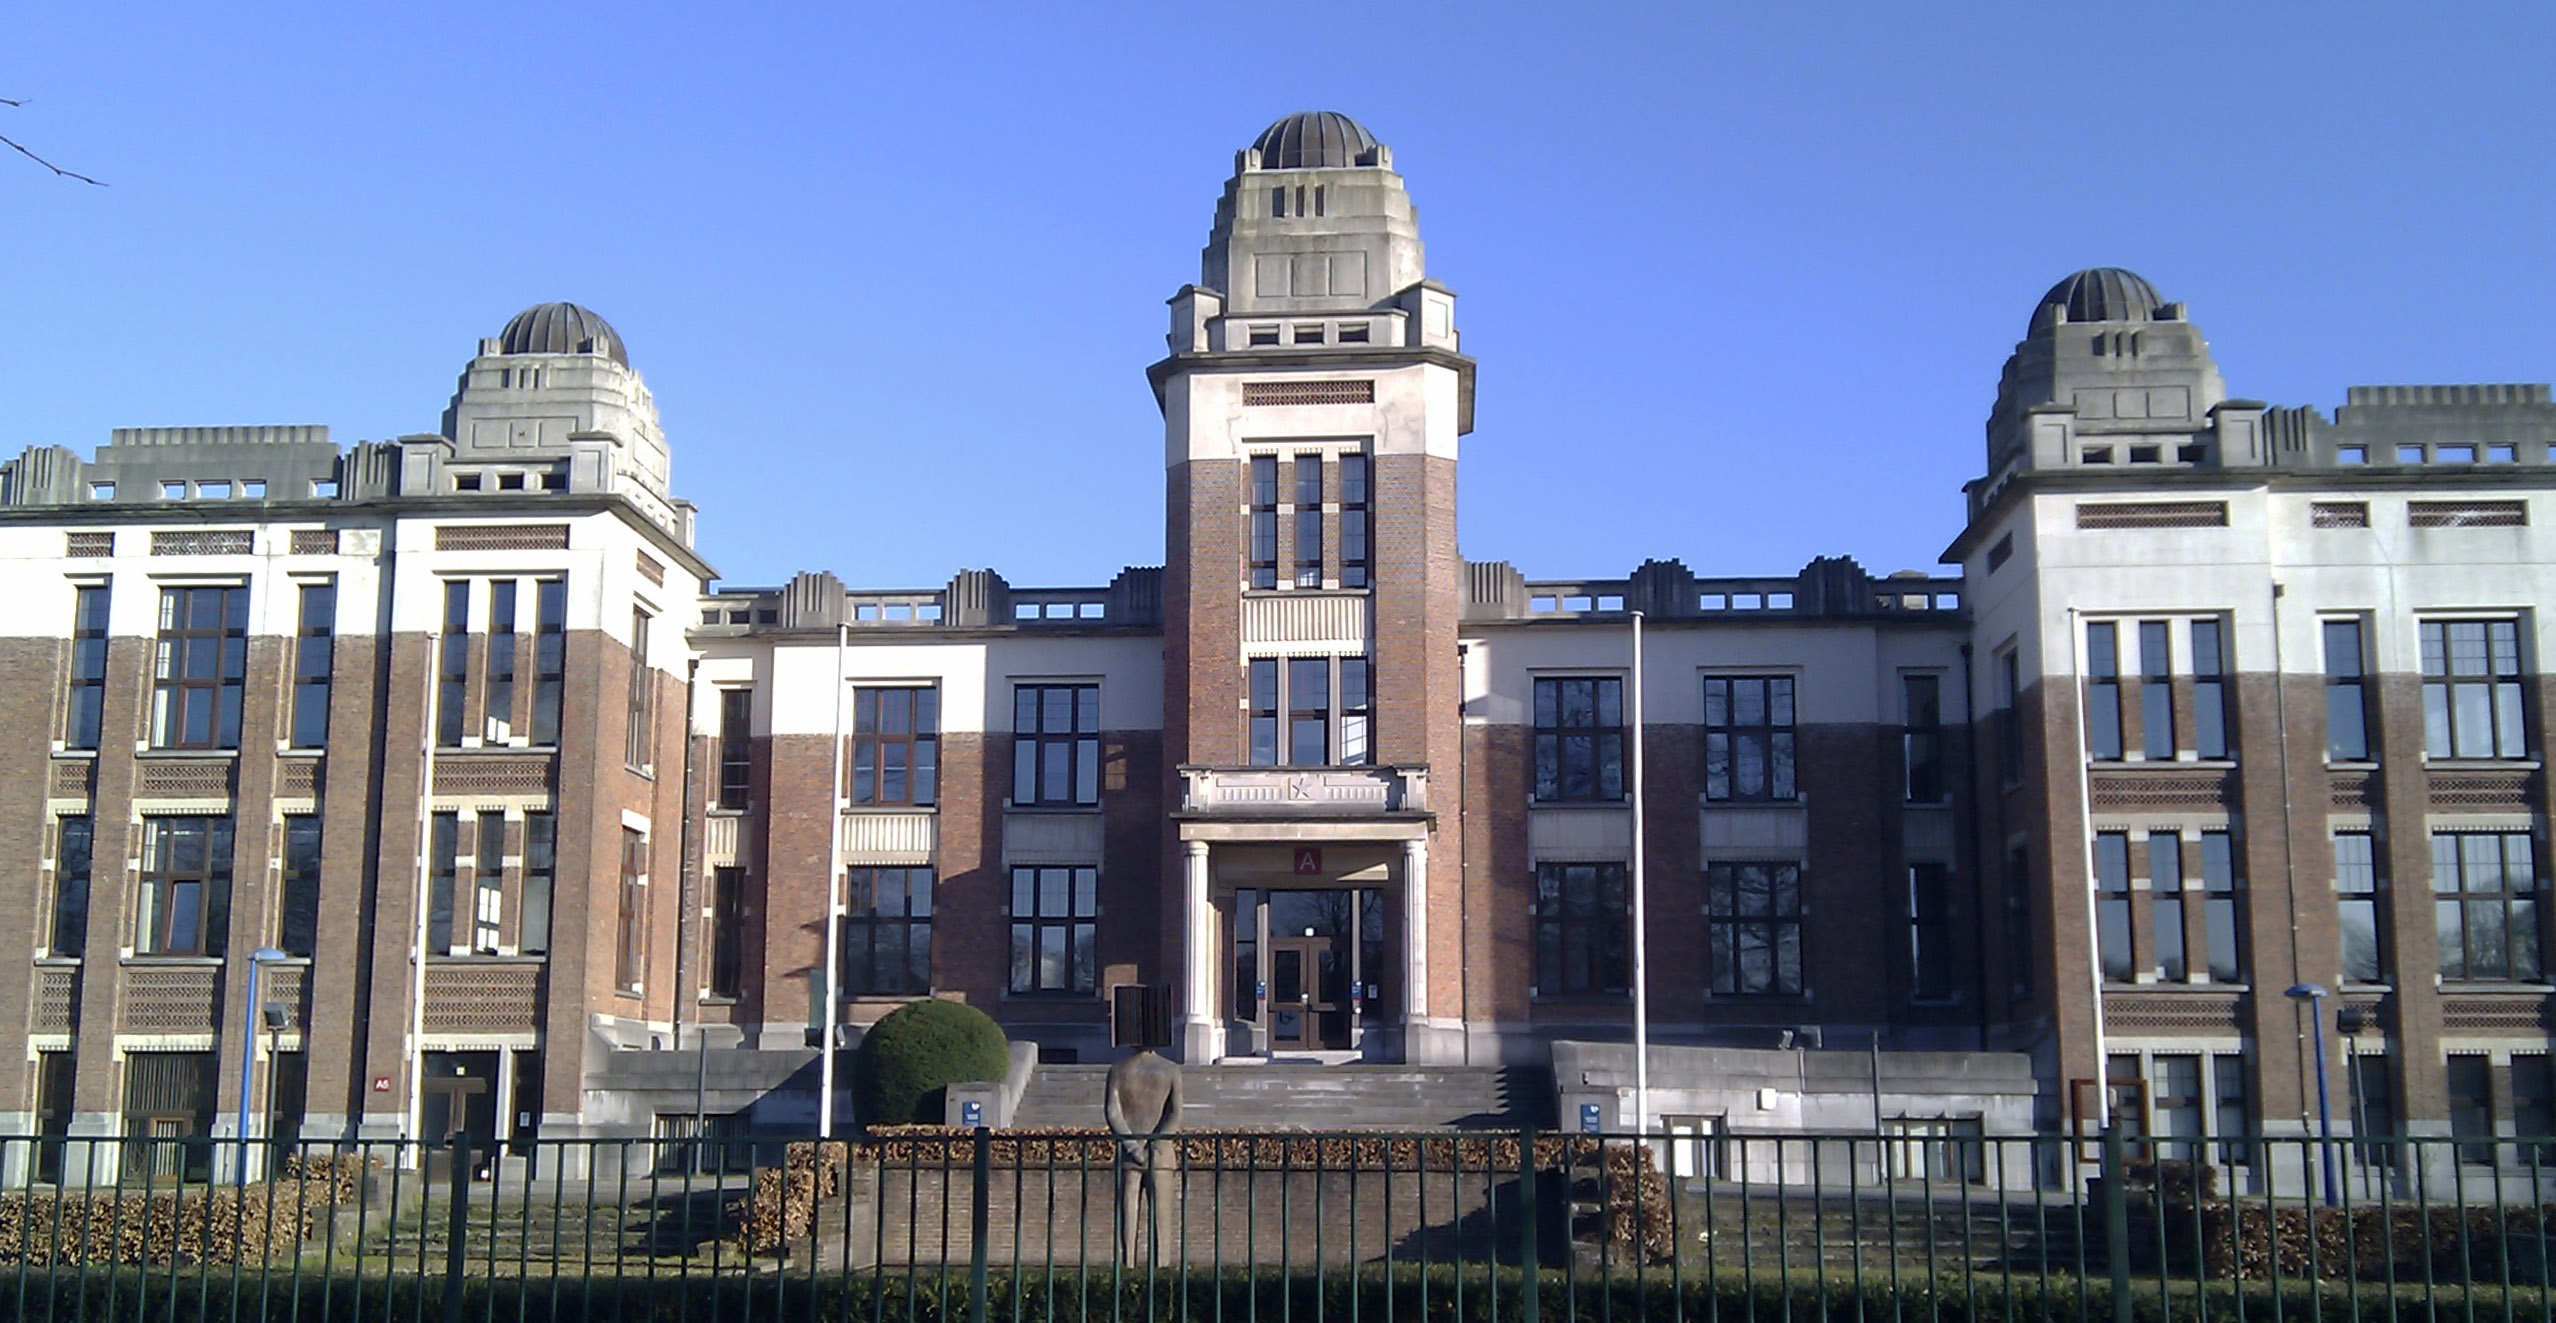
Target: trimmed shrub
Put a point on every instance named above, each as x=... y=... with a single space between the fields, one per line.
x=919 y=1050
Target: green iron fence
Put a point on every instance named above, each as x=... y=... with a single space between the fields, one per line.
x=1300 y=1227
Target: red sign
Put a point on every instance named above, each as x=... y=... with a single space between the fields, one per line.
x=381 y=1084
x=1309 y=860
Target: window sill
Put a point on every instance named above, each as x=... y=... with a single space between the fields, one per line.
x=175 y=961
x=716 y=999
x=1057 y=810
x=2481 y=985
x=727 y=810
x=148 y=754
x=2480 y=764
x=1790 y=801
x=1052 y=998
x=890 y=808
x=1624 y=999
x=2351 y=764
x=1571 y=804
x=58 y=962
x=62 y=751
x=2178 y=760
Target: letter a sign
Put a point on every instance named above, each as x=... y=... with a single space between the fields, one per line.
x=1308 y=860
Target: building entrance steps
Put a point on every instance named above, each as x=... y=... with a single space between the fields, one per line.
x=1290 y=1095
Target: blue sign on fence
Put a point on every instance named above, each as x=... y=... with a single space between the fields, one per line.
x=1590 y=1122
x=971 y=1113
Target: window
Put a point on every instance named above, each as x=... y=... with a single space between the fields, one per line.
x=1754 y=914
x=324 y=488
x=1748 y=737
x=1353 y=513
x=214 y=489
x=443 y=876
x=1296 y=726
x=2486 y=906
x=2103 y=689
x=1309 y=711
x=736 y=747
x=70 y=928
x=172 y=491
x=541 y=864
x=887 y=932
x=630 y=944
x=2174 y=1101
x=1579 y=738
x=2533 y=1108
x=895 y=745
x=2347 y=703
x=1055 y=744
x=2009 y=719
x=297 y=925
x=314 y=659
x=2165 y=905
x=2229 y=1115
x=452 y=666
x=2471 y=1107
x=2350 y=455
x=1581 y=938
x=253 y=488
x=1053 y=926
x=2471 y=689
x=1929 y=932
x=727 y=932
x=1356 y=712
x=1921 y=736
x=169 y=1096
x=640 y=735
x=2374 y=1106
x=2156 y=690
x=53 y=1076
x=2112 y=903
x=498 y=700
x=1934 y=1148
x=88 y=667
x=102 y=491
x=2019 y=944
x=2356 y=900
x=1264 y=518
x=201 y=668
x=186 y=887
x=2223 y=925
x=2209 y=692
x=1309 y=516
x=550 y=658
x=488 y=884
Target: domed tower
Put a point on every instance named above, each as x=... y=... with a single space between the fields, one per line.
x=1312 y=401
x=551 y=403
x=2108 y=373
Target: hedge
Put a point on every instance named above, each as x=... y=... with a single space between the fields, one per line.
x=918 y=1050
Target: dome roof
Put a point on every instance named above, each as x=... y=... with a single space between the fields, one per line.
x=2104 y=294
x=1314 y=139
x=561 y=328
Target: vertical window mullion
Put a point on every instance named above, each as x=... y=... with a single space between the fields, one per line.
x=453 y=665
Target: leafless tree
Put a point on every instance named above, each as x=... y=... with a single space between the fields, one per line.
x=21 y=149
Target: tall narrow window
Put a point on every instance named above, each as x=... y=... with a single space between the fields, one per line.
x=297 y=927
x=1054 y=927
x=2165 y=903
x=69 y=934
x=2209 y=691
x=1753 y=915
x=1264 y=712
x=2174 y=1100
x=2347 y=706
x=1748 y=737
x=186 y=887
x=2156 y=690
x=727 y=932
x=88 y=667
x=443 y=878
x=314 y=660
x=2534 y=1108
x=488 y=883
x=2103 y=689
x=53 y=1076
x=452 y=667
x=887 y=932
x=2374 y=1110
x=2486 y=906
x=202 y=668
x=2009 y=719
x=541 y=865
x=642 y=730
x=2112 y=903
x=1581 y=922
x=2356 y=899
x=1356 y=712
x=1353 y=521
x=1308 y=521
x=2230 y=1117
x=2471 y=1107
x=736 y=747
x=630 y=935
x=1929 y=932
x=1579 y=738
x=1921 y=736
x=896 y=745
x=550 y=658
x=2223 y=920
x=499 y=699
x=1055 y=744
x=2019 y=944
x=1264 y=521
x=2471 y=689
x=1309 y=711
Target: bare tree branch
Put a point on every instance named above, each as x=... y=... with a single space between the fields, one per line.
x=21 y=149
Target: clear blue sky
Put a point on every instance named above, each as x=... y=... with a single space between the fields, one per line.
x=1740 y=279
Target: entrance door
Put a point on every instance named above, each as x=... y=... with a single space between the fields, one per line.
x=1303 y=972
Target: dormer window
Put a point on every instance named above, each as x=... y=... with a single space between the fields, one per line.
x=324 y=488
x=2454 y=454
x=1354 y=334
x=1264 y=335
x=253 y=488
x=214 y=491
x=465 y=482
x=173 y=491
x=510 y=482
x=554 y=481
x=1309 y=335
x=102 y=491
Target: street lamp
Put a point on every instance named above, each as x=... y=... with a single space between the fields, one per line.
x=2313 y=995
x=2350 y=1021
x=257 y=960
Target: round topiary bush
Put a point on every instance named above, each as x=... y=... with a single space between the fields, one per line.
x=920 y=1049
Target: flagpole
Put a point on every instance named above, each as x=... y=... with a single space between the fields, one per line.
x=833 y=902
x=1641 y=911
x=413 y=1117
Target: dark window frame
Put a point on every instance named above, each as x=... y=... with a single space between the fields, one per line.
x=1737 y=929
x=1055 y=935
x=1921 y=737
x=869 y=931
x=443 y=880
x=84 y=708
x=736 y=749
x=550 y=659
x=1579 y=740
x=67 y=931
x=171 y=922
x=452 y=666
x=1308 y=474
x=1583 y=930
x=1275 y=716
x=1930 y=930
x=727 y=931
x=2347 y=699
x=2467 y=916
x=2103 y=690
x=2467 y=680
x=2207 y=639
x=297 y=910
x=1355 y=553
x=2360 y=908
x=314 y=664
x=1262 y=551
x=631 y=925
x=896 y=732
x=541 y=875
x=497 y=686
x=1056 y=746
x=1730 y=736
x=640 y=734
x=200 y=667
x=2156 y=690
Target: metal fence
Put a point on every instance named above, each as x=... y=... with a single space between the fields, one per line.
x=1299 y=1227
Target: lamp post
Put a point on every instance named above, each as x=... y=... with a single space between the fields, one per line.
x=2349 y=1021
x=248 y=1054
x=2313 y=996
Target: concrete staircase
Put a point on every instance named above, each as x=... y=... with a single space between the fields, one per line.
x=1311 y=1097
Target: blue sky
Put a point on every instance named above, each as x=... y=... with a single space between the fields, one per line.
x=1739 y=279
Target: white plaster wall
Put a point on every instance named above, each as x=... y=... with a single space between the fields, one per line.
x=975 y=677
x=1843 y=672
x=1414 y=413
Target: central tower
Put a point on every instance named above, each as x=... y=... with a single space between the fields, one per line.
x=1312 y=400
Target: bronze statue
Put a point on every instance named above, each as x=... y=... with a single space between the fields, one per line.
x=1143 y=1106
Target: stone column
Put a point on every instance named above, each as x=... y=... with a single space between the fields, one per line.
x=1415 y=942
x=1199 y=1032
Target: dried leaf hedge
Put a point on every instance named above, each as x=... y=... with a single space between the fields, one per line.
x=1640 y=1227
x=930 y=1146
x=218 y=1224
x=782 y=1205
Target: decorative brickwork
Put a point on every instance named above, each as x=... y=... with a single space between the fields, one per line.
x=73 y=777
x=88 y=544
x=2183 y=1012
x=315 y=542
x=2466 y=514
x=501 y=537
x=204 y=542
x=184 y=778
x=2495 y=791
x=297 y=778
x=477 y=996
x=2339 y=514
x=180 y=1000
x=1259 y=393
x=2494 y=1014
x=463 y=775
x=2161 y=789
x=57 y=999
x=2152 y=514
x=2351 y=791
